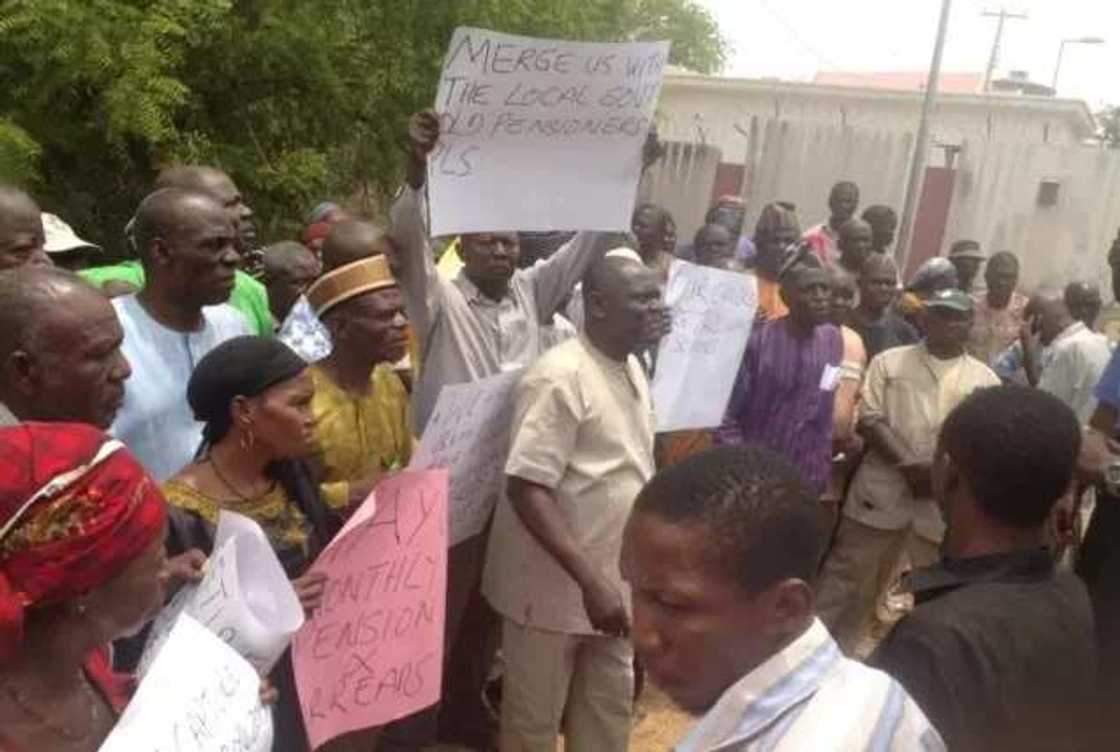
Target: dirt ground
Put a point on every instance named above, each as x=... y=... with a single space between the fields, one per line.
x=658 y=726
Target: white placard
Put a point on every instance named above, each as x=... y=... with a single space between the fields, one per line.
x=713 y=311
x=198 y=696
x=468 y=434
x=244 y=598
x=541 y=134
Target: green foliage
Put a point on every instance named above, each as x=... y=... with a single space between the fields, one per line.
x=1108 y=126
x=19 y=153
x=297 y=100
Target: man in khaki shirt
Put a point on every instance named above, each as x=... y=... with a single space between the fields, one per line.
x=581 y=450
x=908 y=393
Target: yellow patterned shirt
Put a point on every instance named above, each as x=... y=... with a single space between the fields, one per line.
x=281 y=520
x=357 y=435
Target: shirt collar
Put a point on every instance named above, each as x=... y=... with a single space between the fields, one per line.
x=473 y=295
x=1070 y=331
x=762 y=696
x=1032 y=565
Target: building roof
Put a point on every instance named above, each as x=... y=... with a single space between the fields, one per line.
x=1074 y=109
x=950 y=83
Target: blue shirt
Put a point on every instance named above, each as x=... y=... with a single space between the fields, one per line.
x=1108 y=388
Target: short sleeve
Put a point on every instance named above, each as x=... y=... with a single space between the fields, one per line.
x=872 y=395
x=1108 y=388
x=546 y=420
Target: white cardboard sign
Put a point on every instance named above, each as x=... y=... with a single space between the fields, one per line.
x=468 y=434
x=245 y=598
x=713 y=311
x=199 y=696
x=541 y=134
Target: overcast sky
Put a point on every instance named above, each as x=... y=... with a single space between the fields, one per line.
x=793 y=39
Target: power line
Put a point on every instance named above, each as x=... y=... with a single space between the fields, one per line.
x=1002 y=15
x=797 y=37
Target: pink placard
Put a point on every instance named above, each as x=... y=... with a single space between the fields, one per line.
x=374 y=652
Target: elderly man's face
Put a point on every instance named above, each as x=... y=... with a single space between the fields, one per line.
x=21 y=235
x=490 y=257
x=222 y=189
x=203 y=256
x=74 y=370
x=376 y=322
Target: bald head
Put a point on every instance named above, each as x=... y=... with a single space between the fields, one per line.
x=21 y=230
x=215 y=183
x=1048 y=311
x=187 y=243
x=164 y=213
x=624 y=310
x=289 y=269
x=60 y=340
x=352 y=240
x=1084 y=301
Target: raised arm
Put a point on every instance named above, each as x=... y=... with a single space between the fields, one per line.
x=554 y=278
x=416 y=269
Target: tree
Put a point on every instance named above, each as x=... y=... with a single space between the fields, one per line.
x=1108 y=127
x=297 y=100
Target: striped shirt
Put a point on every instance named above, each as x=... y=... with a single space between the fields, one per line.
x=810 y=697
x=784 y=394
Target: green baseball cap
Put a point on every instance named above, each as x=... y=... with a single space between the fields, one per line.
x=953 y=300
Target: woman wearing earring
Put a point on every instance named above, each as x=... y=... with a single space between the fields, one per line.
x=254 y=397
x=81 y=564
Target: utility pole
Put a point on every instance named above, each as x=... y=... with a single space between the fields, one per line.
x=921 y=144
x=1003 y=15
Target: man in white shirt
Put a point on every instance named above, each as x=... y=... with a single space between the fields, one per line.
x=1077 y=355
x=581 y=449
x=720 y=553
x=187 y=247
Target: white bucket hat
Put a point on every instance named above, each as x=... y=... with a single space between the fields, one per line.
x=60 y=237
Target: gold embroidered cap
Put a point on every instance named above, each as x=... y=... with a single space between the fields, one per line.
x=349 y=281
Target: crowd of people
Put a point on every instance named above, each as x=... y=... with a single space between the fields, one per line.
x=882 y=546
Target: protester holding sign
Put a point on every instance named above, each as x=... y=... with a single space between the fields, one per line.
x=581 y=450
x=81 y=551
x=254 y=397
x=489 y=319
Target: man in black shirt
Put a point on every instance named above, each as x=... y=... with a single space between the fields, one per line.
x=875 y=319
x=999 y=651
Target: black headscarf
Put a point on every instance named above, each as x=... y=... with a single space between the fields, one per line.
x=248 y=366
x=243 y=366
